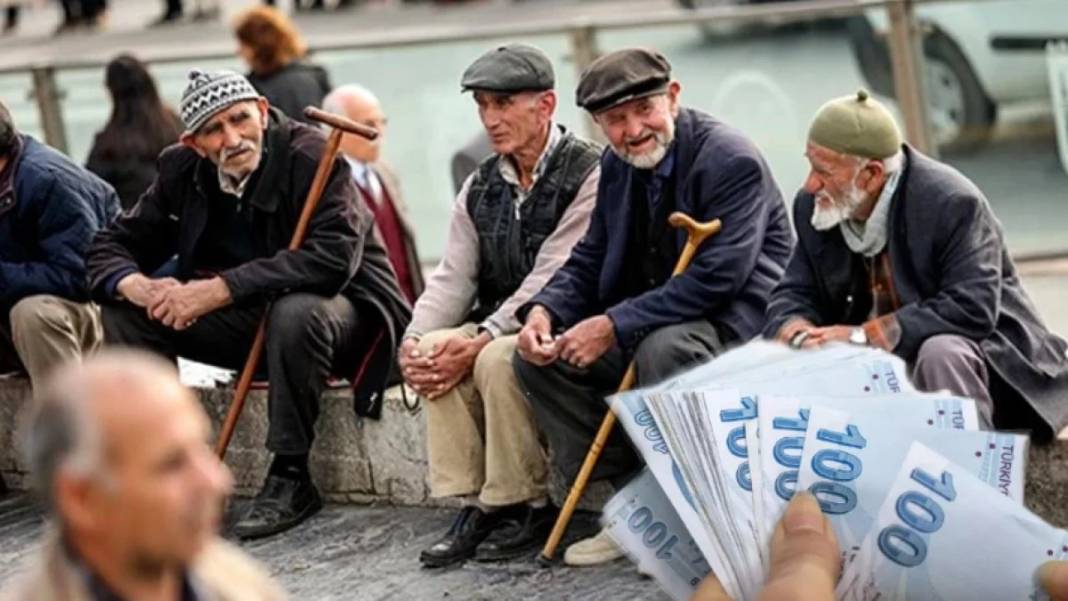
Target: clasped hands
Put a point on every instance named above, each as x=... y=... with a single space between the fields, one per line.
x=172 y=303
x=581 y=345
x=435 y=371
x=811 y=336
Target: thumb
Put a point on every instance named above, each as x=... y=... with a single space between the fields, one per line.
x=1054 y=578
x=710 y=590
x=805 y=559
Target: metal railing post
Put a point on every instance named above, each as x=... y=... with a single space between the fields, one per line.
x=910 y=81
x=583 y=52
x=47 y=96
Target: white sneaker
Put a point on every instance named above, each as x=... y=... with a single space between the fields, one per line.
x=592 y=551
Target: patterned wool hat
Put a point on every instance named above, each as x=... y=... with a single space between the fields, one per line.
x=209 y=93
x=857 y=125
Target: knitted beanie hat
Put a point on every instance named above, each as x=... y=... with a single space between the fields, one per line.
x=210 y=92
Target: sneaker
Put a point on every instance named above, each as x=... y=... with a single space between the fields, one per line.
x=522 y=530
x=592 y=551
x=468 y=530
x=282 y=504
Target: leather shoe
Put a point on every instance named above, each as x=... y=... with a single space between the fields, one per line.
x=522 y=530
x=471 y=527
x=281 y=504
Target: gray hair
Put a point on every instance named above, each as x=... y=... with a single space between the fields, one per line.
x=891 y=164
x=62 y=435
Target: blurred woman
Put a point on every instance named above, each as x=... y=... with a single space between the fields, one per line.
x=271 y=46
x=124 y=152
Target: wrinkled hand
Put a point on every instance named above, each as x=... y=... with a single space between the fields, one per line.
x=805 y=559
x=180 y=306
x=141 y=290
x=794 y=327
x=821 y=336
x=444 y=366
x=586 y=341
x=1054 y=578
x=535 y=342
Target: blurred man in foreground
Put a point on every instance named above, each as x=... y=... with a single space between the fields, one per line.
x=119 y=450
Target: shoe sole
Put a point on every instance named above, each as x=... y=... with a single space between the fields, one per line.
x=486 y=556
x=436 y=562
x=257 y=533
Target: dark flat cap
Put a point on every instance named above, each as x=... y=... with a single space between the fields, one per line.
x=510 y=68
x=621 y=76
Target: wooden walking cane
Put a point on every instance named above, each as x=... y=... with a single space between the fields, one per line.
x=340 y=126
x=696 y=234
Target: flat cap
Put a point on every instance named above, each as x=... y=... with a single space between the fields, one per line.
x=857 y=125
x=622 y=76
x=510 y=68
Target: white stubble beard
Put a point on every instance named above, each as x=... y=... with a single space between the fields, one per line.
x=651 y=159
x=824 y=219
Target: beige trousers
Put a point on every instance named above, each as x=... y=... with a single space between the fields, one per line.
x=481 y=436
x=48 y=331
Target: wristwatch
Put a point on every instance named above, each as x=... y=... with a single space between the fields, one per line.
x=858 y=336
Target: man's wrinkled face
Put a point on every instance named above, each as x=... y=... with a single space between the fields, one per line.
x=514 y=121
x=232 y=139
x=161 y=497
x=834 y=180
x=641 y=131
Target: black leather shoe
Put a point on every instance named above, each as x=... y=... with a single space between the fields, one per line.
x=470 y=528
x=282 y=504
x=521 y=531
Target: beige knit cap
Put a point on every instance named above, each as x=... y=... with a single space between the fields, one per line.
x=856 y=125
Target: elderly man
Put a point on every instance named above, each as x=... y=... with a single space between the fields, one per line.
x=225 y=205
x=377 y=185
x=119 y=450
x=902 y=252
x=513 y=223
x=49 y=210
x=615 y=298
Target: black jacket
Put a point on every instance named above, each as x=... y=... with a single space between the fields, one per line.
x=293 y=87
x=952 y=275
x=340 y=253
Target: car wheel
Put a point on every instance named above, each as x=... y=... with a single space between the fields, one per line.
x=962 y=115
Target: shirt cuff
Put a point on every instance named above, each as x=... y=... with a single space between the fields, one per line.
x=112 y=284
x=491 y=328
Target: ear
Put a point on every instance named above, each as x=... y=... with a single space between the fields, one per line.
x=548 y=103
x=76 y=501
x=673 y=91
x=190 y=140
x=263 y=105
x=876 y=171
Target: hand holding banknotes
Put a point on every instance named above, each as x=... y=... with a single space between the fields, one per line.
x=805 y=560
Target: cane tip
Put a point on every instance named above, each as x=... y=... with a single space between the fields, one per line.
x=544 y=562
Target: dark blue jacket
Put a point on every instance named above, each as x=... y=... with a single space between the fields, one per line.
x=50 y=208
x=719 y=173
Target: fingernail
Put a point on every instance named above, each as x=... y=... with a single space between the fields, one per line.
x=803 y=513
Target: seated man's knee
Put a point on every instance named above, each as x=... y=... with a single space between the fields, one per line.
x=37 y=313
x=292 y=315
x=943 y=349
x=436 y=338
x=495 y=360
x=662 y=351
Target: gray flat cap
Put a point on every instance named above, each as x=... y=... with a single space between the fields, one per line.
x=510 y=68
x=622 y=76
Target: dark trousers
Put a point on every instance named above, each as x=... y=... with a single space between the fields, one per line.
x=569 y=402
x=308 y=338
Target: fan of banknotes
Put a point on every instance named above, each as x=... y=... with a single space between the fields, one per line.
x=925 y=505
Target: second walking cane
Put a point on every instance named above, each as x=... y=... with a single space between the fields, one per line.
x=696 y=234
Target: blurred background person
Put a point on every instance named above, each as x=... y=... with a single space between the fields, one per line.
x=173 y=10
x=377 y=183
x=120 y=455
x=81 y=13
x=124 y=152
x=271 y=46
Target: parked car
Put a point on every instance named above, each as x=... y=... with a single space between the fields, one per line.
x=979 y=55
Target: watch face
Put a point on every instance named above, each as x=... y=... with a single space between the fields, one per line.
x=857 y=336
